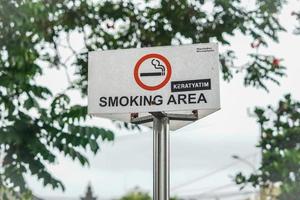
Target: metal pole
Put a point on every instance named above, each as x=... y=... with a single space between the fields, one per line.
x=161 y=158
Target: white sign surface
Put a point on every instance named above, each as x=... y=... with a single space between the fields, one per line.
x=174 y=79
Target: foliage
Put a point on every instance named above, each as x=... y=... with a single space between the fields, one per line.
x=7 y=194
x=138 y=194
x=297 y=14
x=36 y=123
x=280 y=144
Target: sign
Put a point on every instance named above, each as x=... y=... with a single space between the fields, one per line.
x=174 y=79
x=157 y=69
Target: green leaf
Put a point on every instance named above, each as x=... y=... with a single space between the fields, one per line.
x=93 y=145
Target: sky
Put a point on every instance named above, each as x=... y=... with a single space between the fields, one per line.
x=201 y=153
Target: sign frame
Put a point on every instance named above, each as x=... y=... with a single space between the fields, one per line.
x=205 y=84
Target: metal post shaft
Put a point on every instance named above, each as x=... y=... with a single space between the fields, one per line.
x=161 y=148
x=161 y=157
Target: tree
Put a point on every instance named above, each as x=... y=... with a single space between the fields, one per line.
x=297 y=14
x=278 y=176
x=136 y=194
x=89 y=194
x=35 y=122
x=280 y=144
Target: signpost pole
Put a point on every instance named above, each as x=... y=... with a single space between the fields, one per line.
x=161 y=158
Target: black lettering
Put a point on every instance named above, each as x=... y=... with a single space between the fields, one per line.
x=181 y=97
x=122 y=102
x=133 y=100
x=172 y=100
x=141 y=100
x=112 y=101
x=103 y=102
x=192 y=98
x=158 y=100
x=147 y=101
x=202 y=98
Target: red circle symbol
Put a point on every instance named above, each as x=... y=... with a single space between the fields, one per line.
x=138 y=65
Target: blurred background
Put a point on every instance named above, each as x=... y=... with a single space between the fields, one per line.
x=51 y=149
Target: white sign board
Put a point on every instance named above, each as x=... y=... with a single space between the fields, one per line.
x=173 y=79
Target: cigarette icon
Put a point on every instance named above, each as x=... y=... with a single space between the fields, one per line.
x=157 y=65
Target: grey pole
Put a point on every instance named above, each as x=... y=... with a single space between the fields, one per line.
x=161 y=148
x=161 y=158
